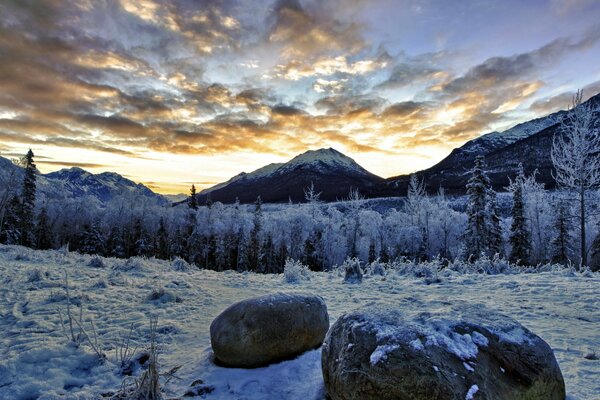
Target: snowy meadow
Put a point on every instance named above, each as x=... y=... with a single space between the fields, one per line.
x=39 y=361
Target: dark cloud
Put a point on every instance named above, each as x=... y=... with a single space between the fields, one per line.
x=406 y=74
x=563 y=100
x=500 y=70
x=69 y=164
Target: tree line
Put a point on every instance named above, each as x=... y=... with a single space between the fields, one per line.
x=539 y=227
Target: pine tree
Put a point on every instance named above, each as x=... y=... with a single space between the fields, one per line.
x=520 y=238
x=282 y=255
x=162 y=241
x=242 y=262
x=476 y=233
x=267 y=255
x=28 y=201
x=561 y=246
x=43 y=239
x=115 y=245
x=193 y=201
x=11 y=232
x=494 y=229
x=253 y=249
x=313 y=251
x=92 y=241
x=372 y=252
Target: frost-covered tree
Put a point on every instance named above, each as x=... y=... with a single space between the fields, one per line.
x=560 y=246
x=538 y=211
x=476 y=234
x=28 y=201
x=43 y=239
x=576 y=158
x=520 y=240
x=8 y=182
x=11 y=233
x=253 y=249
x=494 y=228
x=162 y=241
x=92 y=241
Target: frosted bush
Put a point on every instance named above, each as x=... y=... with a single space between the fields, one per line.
x=22 y=254
x=161 y=295
x=36 y=275
x=294 y=271
x=180 y=264
x=352 y=271
x=132 y=264
x=376 y=268
x=96 y=262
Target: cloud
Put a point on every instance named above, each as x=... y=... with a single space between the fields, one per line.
x=70 y=164
x=308 y=34
x=563 y=100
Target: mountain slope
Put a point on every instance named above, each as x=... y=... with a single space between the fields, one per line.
x=528 y=143
x=332 y=173
x=75 y=183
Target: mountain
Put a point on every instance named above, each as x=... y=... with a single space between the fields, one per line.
x=332 y=173
x=76 y=183
x=528 y=143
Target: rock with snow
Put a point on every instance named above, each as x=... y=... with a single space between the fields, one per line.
x=267 y=329
x=447 y=352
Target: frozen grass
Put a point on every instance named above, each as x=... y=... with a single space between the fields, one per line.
x=558 y=304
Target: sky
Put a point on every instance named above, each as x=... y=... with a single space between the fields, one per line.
x=197 y=91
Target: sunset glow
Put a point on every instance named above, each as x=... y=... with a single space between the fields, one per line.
x=174 y=93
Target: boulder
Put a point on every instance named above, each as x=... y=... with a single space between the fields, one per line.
x=268 y=329
x=451 y=352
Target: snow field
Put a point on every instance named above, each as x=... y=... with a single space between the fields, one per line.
x=36 y=361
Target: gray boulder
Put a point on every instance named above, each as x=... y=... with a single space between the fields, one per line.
x=452 y=352
x=268 y=329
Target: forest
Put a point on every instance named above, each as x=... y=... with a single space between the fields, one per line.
x=526 y=224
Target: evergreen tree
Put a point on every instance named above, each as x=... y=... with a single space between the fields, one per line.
x=162 y=241
x=43 y=239
x=253 y=249
x=115 y=245
x=193 y=201
x=11 y=232
x=92 y=241
x=313 y=251
x=520 y=238
x=142 y=245
x=476 y=233
x=282 y=255
x=372 y=252
x=384 y=255
x=267 y=256
x=494 y=229
x=28 y=201
x=242 y=262
x=561 y=246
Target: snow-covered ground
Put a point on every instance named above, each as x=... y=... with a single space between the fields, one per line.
x=36 y=360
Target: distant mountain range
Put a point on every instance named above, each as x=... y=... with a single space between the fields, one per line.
x=334 y=174
x=76 y=183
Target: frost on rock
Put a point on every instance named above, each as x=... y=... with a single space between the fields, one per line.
x=472 y=390
x=381 y=353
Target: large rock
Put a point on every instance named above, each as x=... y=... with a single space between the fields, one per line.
x=267 y=329
x=451 y=352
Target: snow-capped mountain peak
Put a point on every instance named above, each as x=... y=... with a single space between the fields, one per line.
x=323 y=158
